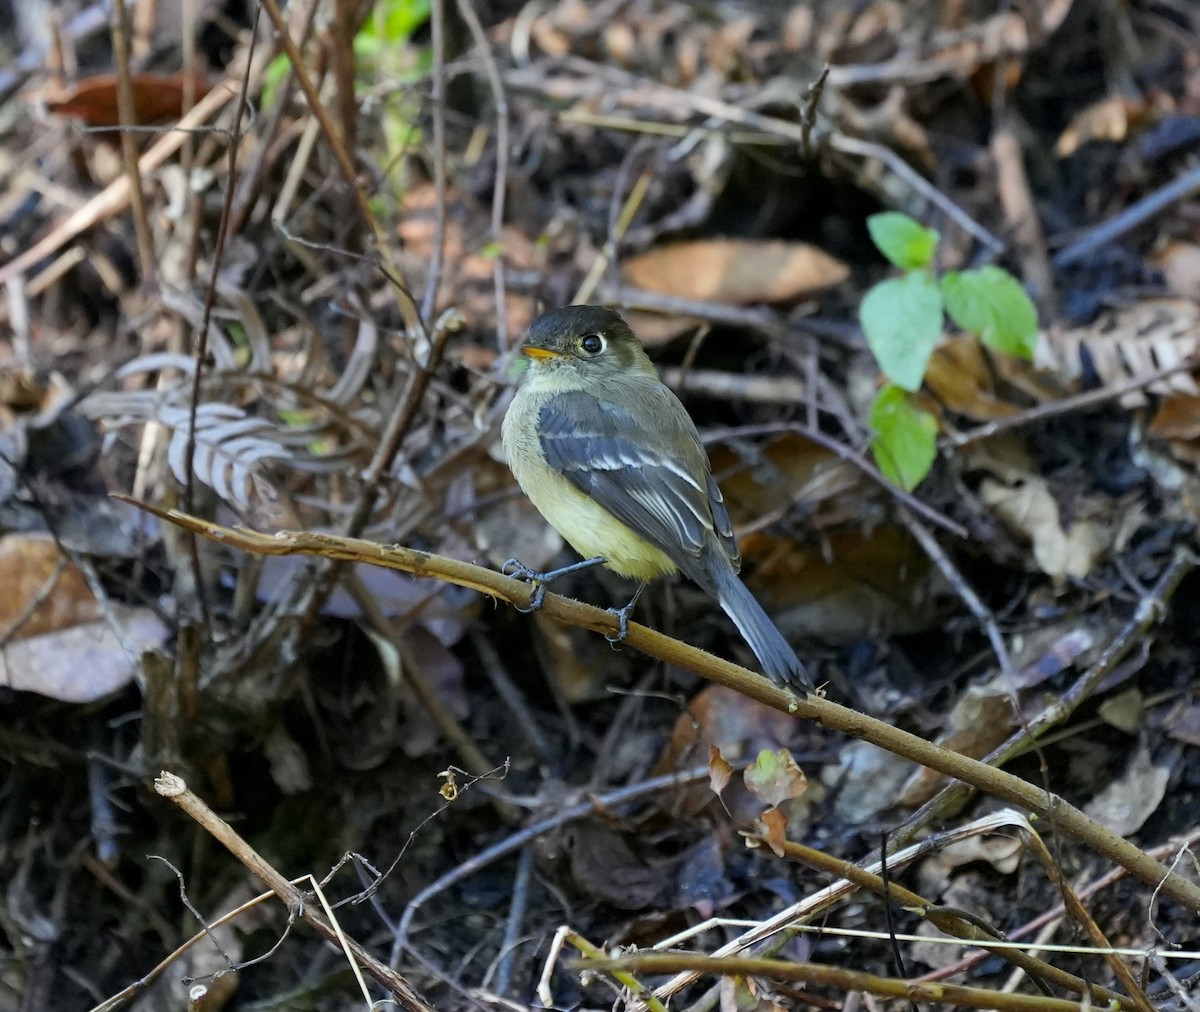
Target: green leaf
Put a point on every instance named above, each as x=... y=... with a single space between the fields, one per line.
x=905 y=440
x=991 y=303
x=904 y=241
x=902 y=318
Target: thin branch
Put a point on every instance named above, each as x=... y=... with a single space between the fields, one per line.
x=173 y=788
x=503 y=153
x=999 y=784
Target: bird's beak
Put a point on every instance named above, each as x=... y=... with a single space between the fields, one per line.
x=539 y=354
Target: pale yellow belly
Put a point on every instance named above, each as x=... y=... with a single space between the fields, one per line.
x=592 y=531
x=586 y=526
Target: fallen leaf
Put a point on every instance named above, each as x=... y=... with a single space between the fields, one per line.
x=958 y=376
x=41 y=591
x=774 y=777
x=1027 y=507
x=772 y=827
x=719 y=771
x=1125 y=804
x=156 y=97
x=1109 y=119
x=85 y=662
x=735 y=271
x=869 y=779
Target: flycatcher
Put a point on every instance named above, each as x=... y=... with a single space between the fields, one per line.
x=612 y=460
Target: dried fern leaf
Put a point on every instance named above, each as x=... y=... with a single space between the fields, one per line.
x=1130 y=343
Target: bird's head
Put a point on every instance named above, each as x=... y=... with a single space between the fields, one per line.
x=593 y=339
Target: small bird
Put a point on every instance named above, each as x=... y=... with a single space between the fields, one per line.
x=611 y=458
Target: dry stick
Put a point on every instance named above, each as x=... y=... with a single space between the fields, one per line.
x=201 y=350
x=1055 y=914
x=1149 y=612
x=500 y=183
x=437 y=99
x=466 y=869
x=945 y=920
x=408 y=308
x=1087 y=922
x=997 y=783
x=844 y=980
x=127 y=115
x=172 y=787
x=1143 y=210
x=1078 y=402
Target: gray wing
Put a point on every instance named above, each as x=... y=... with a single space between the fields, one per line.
x=671 y=501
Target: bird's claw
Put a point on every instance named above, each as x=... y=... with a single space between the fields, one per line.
x=536 y=598
x=516 y=569
x=622 y=615
x=519 y=571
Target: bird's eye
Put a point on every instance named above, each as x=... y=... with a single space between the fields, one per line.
x=593 y=344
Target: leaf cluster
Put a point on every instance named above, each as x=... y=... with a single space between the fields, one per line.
x=903 y=319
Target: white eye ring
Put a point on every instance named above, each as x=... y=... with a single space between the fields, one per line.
x=593 y=344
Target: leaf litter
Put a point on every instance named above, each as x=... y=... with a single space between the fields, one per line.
x=356 y=360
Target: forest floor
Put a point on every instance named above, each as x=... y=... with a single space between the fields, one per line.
x=927 y=278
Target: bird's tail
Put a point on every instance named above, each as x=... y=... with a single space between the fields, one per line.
x=779 y=661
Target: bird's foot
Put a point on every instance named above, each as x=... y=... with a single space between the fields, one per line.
x=622 y=615
x=519 y=571
x=538 y=580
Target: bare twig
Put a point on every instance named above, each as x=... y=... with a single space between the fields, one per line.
x=172 y=787
x=503 y=153
x=121 y=32
x=1180 y=188
x=437 y=103
x=1015 y=791
x=1077 y=402
x=1149 y=613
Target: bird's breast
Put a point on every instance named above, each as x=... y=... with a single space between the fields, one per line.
x=585 y=525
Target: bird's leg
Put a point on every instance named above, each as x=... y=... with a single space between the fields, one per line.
x=519 y=571
x=623 y=615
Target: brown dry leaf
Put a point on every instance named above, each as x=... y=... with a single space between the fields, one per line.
x=1177 y=418
x=43 y=592
x=959 y=378
x=772 y=827
x=719 y=771
x=1109 y=119
x=736 y=726
x=791 y=468
x=605 y=866
x=735 y=271
x=1028 y=508
x=1129 y=342
x=657 y=329
x=857 y=581
x=156 y=98
x=1179 y=262
x=85 y=662
x=1125 y=804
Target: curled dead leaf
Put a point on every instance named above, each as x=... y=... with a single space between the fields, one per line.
x=735 y=271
